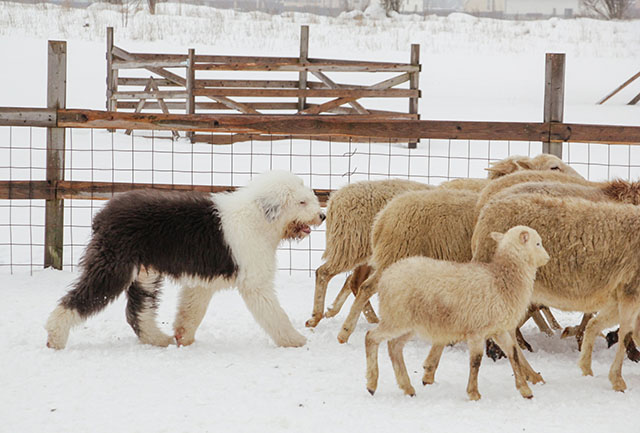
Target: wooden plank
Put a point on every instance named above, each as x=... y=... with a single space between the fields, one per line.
x=112 y=84
x=140 y=105
x=145 y=64
x=327 y=106
x=165 y=94
x=308 y=66
x=190 y=107
x=635 y=100
x=553 y=98
x=37 y=117
x=414 y=83
x=226 y=139
x=610 y=134
x=332 y=85
x=136 y=81
x=302 y=75
x=119 y=52
x=163 y=107
x=26 y=190
x=353 y=126
x=310 y=93
x=56 y=99
x=619 y=88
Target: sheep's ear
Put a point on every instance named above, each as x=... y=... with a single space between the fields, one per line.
x=496 y=236
x=524 y=236
x=271 y=206
x=503 y=167
x=525 y=164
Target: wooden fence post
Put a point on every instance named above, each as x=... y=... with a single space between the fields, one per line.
x=190 y=85
x=554 y=97
x=56 y=98
x=304 y=54
x=112 y=74
x=414 y=84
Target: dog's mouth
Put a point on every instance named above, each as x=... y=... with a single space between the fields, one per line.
x=297 y=230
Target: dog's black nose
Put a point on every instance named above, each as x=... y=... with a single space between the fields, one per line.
x=322 y=216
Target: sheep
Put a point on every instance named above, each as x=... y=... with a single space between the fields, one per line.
x=350 y=214
x=447 y=302
x=595 y=264
x=612 y=191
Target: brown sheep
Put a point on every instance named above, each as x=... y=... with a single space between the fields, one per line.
x=594 y=266
x=447 y=302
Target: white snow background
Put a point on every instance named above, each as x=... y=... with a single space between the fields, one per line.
x=234 y=378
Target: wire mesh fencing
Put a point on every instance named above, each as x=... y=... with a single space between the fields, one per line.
x=154 y=158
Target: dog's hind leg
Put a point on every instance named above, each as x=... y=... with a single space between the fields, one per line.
x=142 y=306
x=100 y=283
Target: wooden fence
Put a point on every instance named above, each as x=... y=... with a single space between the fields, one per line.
x=552 y=132
x=191 y=95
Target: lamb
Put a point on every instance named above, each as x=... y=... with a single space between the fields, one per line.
x=447 y=302
x=350 y=216
x=595 y=264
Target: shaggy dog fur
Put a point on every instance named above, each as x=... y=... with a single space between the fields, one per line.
x=447 y=302
x=206 y=242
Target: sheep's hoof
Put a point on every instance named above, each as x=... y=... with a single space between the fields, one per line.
x=618 y=383
x=343 y=336
x=612 y=338
x=371 y=391
x=474 y=395
x=312 y=323
x=331 y=313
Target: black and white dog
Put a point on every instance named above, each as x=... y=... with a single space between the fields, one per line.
x=205 y=241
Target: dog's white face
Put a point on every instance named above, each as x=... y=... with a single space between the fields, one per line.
x=286 y=201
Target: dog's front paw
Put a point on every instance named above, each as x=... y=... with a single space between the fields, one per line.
x=292 y=340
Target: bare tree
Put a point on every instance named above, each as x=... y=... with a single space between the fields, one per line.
x=391 y=5
x=608 y=9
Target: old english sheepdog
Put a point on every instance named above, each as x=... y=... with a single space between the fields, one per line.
x=204 y=241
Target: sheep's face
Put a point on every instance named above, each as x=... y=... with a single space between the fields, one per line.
x=526 y=241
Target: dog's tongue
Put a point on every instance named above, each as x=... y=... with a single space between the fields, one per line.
x=305 y=228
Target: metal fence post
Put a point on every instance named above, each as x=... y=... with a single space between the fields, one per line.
x=56 y=98
x=553 y=97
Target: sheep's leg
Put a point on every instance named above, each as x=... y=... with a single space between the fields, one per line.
x=512 y=351
x=551 y=320
x=578 y=331
x=367 y=290
x=352 y=285
x=340 y=299
x=607 y=317
x=362 y=272
x=529 y=373
x=431 y=364
x=627 y=310
x=372 y=342
x=323 y=275
x=539 y=320
x=475 y=359
x=395 y=347
x=522 y=343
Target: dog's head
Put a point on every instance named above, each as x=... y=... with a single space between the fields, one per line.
x=285 y=201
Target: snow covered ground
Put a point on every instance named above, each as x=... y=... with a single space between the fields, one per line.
x=234 y=378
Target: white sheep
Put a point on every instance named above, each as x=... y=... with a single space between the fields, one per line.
x=352 y=209
x=447 y=302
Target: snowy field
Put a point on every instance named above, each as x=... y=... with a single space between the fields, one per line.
x=233 y=378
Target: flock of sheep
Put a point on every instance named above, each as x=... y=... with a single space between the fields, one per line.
x=459 y=262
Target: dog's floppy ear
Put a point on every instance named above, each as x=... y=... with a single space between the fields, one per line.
x=271 y=203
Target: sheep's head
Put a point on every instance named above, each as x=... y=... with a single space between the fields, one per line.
x=525 y=241
x=543 y=161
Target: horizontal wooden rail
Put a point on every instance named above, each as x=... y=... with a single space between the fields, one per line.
x=375 y=125
x=82 y=190
x=325 y=67
x=310 y=93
